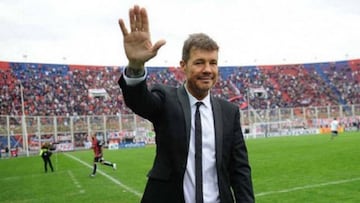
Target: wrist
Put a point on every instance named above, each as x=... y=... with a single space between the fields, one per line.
x=135 y=70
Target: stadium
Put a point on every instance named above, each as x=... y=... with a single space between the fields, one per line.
x=57 y=102
x=64 y=103
x=304 y=74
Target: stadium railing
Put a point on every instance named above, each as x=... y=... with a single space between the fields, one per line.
x=27 y=133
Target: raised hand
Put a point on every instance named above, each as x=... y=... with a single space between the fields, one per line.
x=137 y=42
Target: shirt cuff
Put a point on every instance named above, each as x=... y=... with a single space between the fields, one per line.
x=134 y=81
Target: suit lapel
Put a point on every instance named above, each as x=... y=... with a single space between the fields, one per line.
x=184 y=102
x=185 y=105
x=218 y=129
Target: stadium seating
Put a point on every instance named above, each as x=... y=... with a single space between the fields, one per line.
x=59 y=89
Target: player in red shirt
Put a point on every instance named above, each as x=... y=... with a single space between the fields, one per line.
x=98 y=155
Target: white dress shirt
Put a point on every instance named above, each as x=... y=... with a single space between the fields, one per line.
x=210 y=180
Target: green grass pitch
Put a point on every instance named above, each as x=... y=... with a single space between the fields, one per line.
x=303 y=169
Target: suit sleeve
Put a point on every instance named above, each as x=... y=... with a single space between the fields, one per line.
x=140 y=100
x=241 y=180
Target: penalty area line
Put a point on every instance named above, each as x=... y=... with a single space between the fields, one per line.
x=307 y=187
x=107 y=176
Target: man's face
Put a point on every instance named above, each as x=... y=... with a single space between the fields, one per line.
x=201 y=72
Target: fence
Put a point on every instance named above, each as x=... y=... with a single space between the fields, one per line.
x=25 y=134
x=295 y=121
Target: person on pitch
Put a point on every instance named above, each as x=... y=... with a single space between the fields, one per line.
x=334 y=125
x=45 y=153
x=97 y=146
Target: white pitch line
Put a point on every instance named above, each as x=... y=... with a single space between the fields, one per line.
x=307 y=187
x=257 y=195
x=107 y=176
x=76 y=182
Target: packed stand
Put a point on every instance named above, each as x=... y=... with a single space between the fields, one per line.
x=63 y=90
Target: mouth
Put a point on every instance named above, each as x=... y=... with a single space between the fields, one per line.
x=208 y=78
x=205 y=81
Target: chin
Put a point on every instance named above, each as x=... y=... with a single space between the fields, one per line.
x=205 y=87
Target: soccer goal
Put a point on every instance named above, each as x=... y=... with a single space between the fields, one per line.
x=277 y=128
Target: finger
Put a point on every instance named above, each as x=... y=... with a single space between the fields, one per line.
x=132 y=19
x=122 y=27
x=158 y=45
x=144 y=20
x=138 y=23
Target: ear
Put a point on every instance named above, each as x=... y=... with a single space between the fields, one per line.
x=182 y=65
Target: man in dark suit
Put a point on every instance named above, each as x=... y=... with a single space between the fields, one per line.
x=224 y=166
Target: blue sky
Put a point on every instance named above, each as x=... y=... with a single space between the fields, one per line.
x=249 y=32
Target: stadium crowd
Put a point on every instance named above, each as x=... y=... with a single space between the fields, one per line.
x=63 y=90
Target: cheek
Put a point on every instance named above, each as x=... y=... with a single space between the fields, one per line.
x=216 y=77
x=192 y=74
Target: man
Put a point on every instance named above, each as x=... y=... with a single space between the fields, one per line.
x=225 y=170
x=98 y=155
x=7 y=151
x=334 y=128
x=45 y=154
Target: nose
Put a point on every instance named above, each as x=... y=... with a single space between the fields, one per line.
x=207 y=67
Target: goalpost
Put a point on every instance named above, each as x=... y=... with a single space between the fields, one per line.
x=23 y=122
x=278 y=128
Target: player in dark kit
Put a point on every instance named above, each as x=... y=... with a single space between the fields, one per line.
x=98 y=155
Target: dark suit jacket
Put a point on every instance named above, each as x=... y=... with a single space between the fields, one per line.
x=168 y=108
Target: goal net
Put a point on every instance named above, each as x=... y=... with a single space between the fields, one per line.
x=277 y=128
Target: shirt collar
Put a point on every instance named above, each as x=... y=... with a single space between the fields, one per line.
x=193 y=100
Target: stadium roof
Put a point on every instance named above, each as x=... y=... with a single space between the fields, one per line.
x=256 y=32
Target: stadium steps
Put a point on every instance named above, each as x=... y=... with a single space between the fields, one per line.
x=319 y=68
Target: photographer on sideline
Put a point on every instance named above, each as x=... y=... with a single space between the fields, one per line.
x=45 y=154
